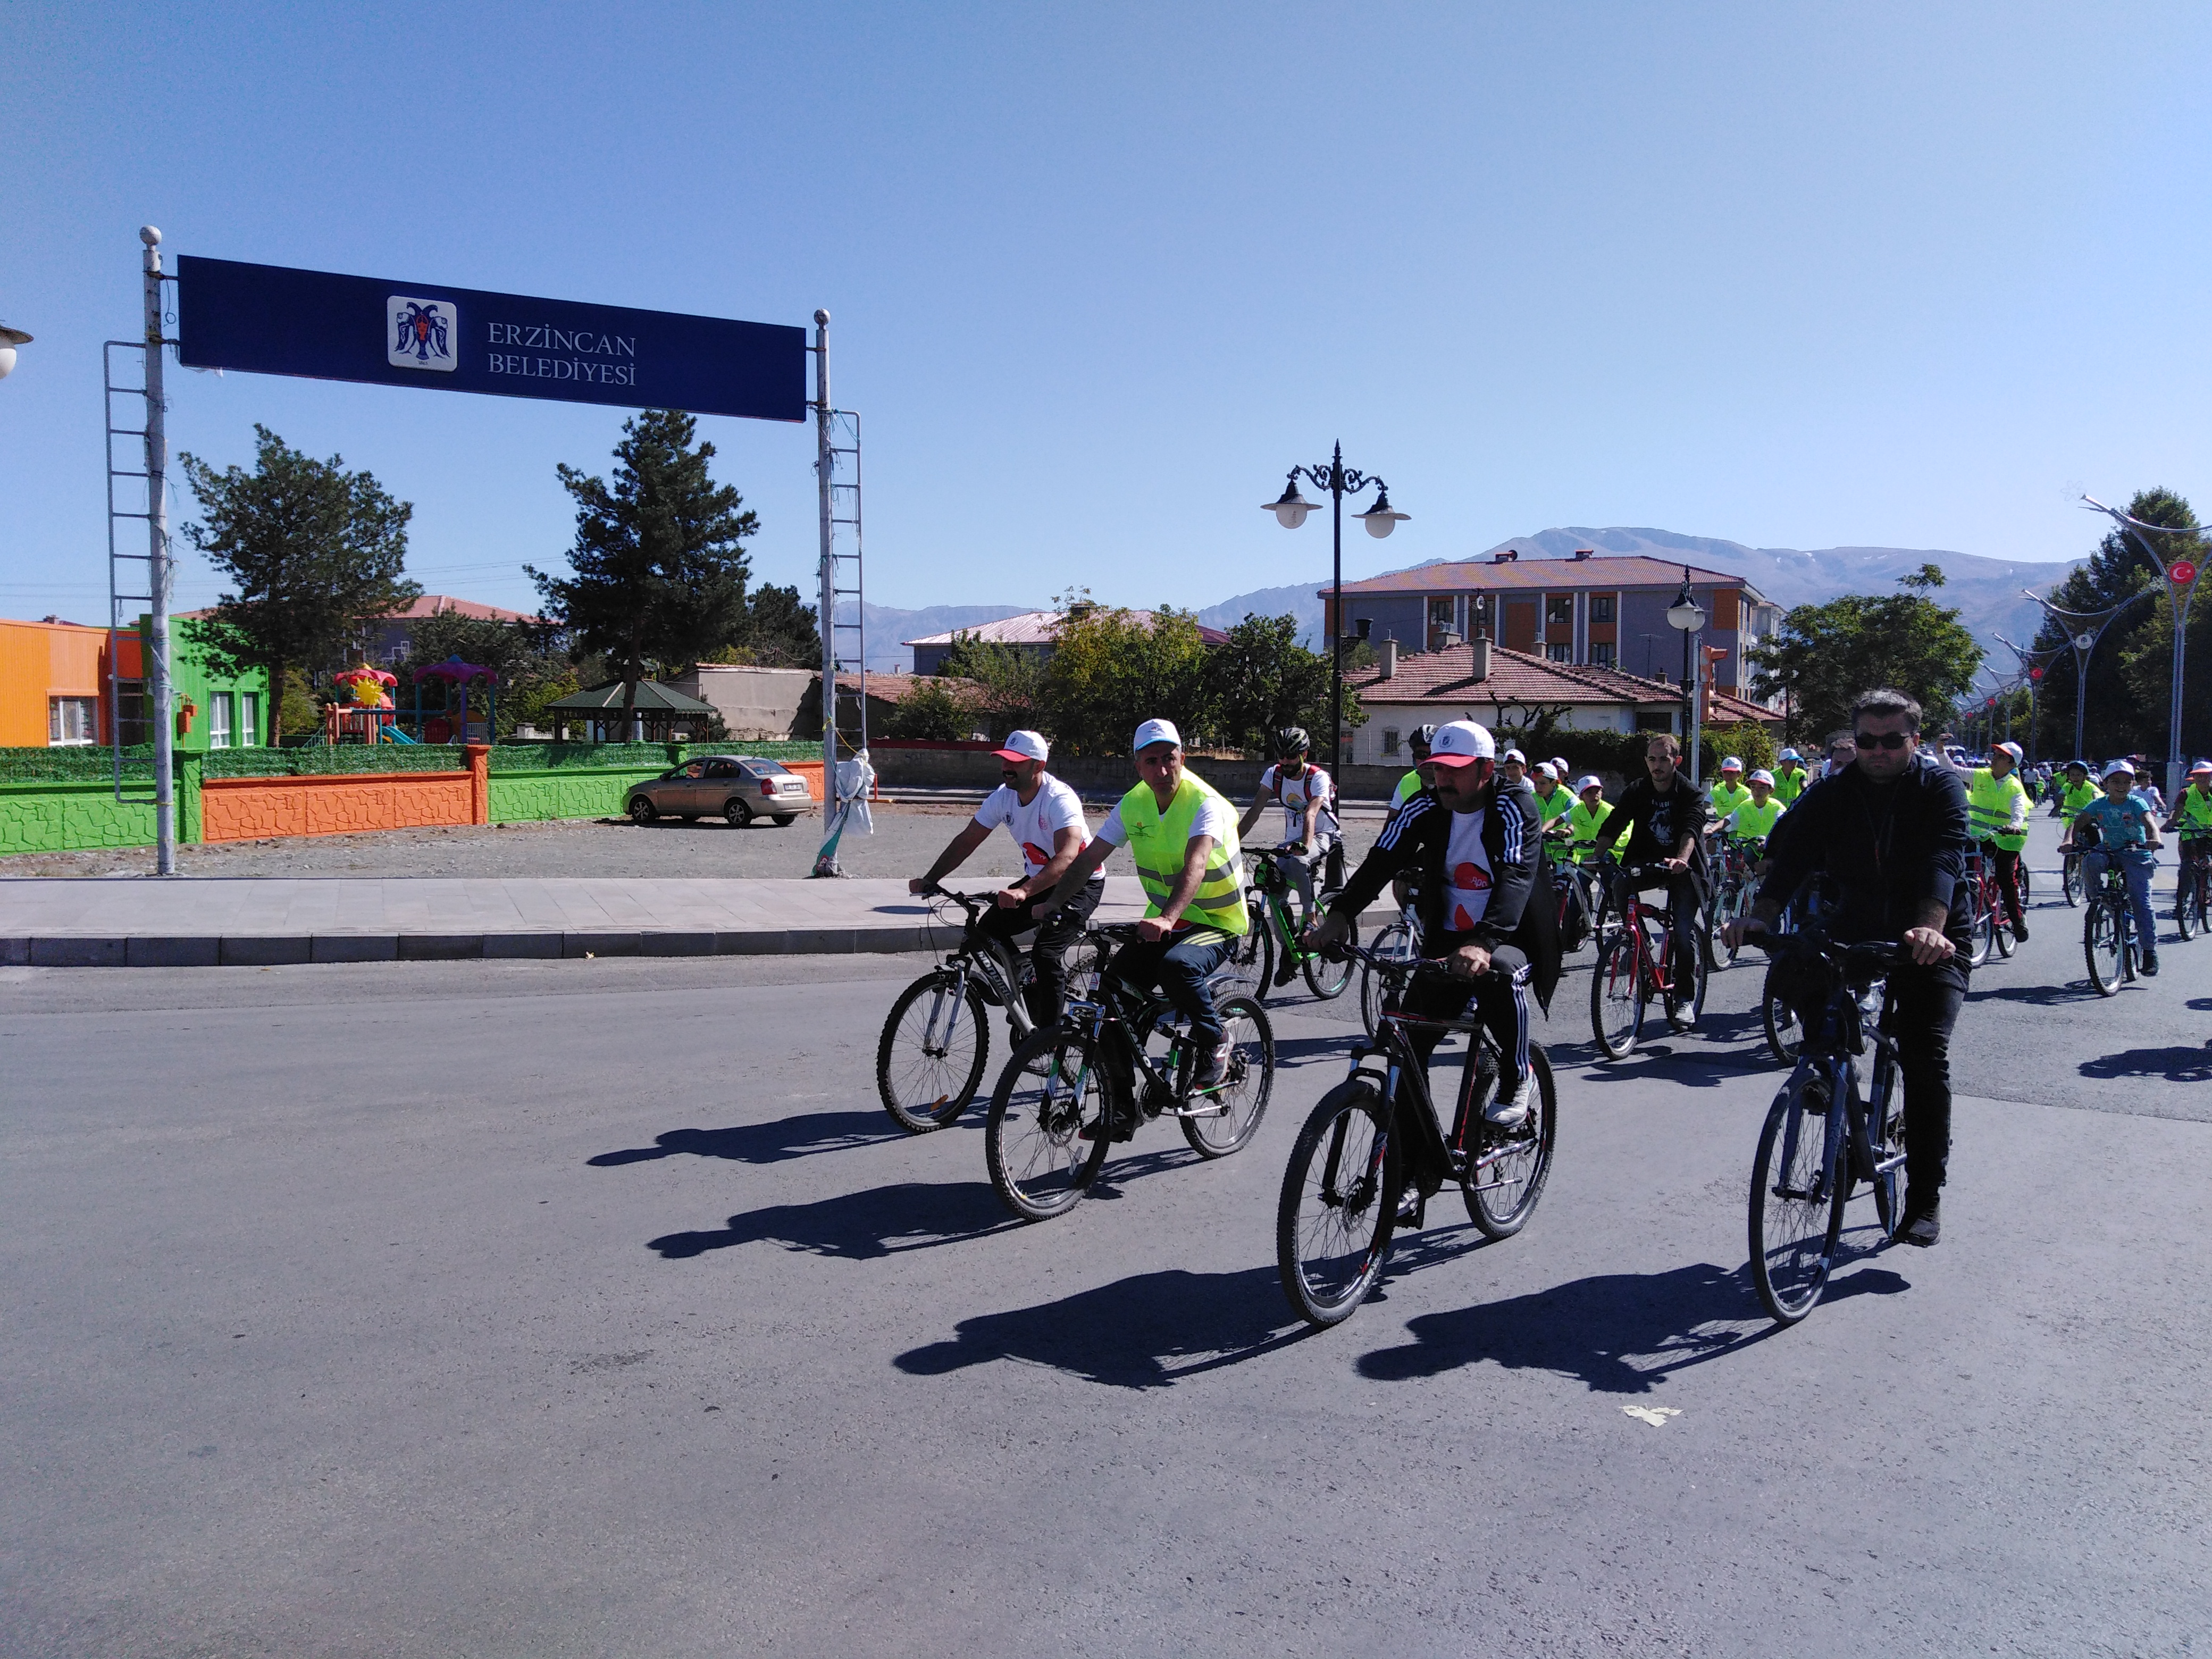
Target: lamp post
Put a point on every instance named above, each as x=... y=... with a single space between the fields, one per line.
x=2181 y=577
x=2032 y=664
x=1688 y=616
x=1289 y=509
x=2084 y=630
x=9 y=339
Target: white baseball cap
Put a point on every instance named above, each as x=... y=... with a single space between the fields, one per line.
x=1732 y=764
x=1762 y=775
x=1559 y=766
x=1024 y=745
x=2014 y=749
x=2115 y=769
x=1462 y=742
x=1590 y=783
x=1542 y=769
x=1152 y=732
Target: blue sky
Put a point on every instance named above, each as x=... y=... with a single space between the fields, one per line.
x=1797 y=276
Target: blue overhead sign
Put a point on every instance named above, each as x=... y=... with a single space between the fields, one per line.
x=267 y=319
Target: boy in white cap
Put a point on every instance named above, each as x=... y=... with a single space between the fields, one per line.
x=2124 y=832
x=1182 y=832
x=1512 y=765
x=1755 y=819
x=1553 y=800
x=1587 y=817
x=1475 y=842
x=1045 y=817
x=2192 y=820
x=1728 y=792
x=1996 y=817
x=1789 y=778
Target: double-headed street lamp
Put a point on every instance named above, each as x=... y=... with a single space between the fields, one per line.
x=2084 y=629
x=1688 y=616
x=2032 y=664
x=2181 y=577
x=1289 y=509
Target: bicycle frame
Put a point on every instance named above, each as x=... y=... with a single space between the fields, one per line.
x=1273 y=888
x=1096 y=1017
x=1635 y=911
x=988 y=959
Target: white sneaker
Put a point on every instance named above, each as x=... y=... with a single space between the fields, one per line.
x=1511 y=1114
x=1214 y=1067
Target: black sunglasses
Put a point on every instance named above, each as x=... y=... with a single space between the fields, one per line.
x=1880 y=739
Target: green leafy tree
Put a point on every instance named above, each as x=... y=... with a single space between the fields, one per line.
x=932 y=711
x=659 y=565
x=312 y=551
x=780 y=631
x=1010 y=681
x=1825 y=655
x=1111 y=669
x=1262 y=680
x=527 y=658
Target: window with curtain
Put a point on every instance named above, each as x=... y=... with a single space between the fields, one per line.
x=249 y=719
x=219 y=721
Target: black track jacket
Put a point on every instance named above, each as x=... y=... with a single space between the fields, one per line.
x=1522 y=911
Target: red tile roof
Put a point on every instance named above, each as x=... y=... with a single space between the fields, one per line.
x=1607 y=572
x=1448 y=675
x=434 y=605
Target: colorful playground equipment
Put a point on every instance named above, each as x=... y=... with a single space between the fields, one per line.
x=452 y=724
x=362 y=712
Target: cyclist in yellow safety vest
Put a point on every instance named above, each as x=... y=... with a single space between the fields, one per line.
x=2191 y=820
x=1755 y=819
x=1410 y=785
x=1996 y=819
x=2071 y=795
x=1586 y=817
x=1790 y=778
x=1728 y=792
x=1182 y=833
x=1553 y=802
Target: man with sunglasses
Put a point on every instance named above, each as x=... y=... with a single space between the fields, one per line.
x=1890 y=832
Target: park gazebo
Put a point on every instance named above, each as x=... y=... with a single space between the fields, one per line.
x=659 y=713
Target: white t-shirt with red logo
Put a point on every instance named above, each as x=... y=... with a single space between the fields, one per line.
x=1296 y=793
x=1467 y=873
x=1054 y=808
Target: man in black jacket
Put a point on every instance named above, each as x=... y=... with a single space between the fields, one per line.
x=1475 y=844
x=1890 y=833
x=1665 y=819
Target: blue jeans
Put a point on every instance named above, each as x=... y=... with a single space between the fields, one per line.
x=1179 y=967
x=2135 y=866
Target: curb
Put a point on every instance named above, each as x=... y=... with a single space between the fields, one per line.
x=275 y=951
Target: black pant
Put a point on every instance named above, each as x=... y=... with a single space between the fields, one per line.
x=1685 y=905
x=1180 y=967
x=1047 y=992
x=1500 y=996
x=1924 y=1005
x=2007 y=866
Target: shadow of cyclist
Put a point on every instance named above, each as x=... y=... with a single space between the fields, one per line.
x=861 y=1226
x=1618 y=1333
x=1143 y=1332
x=801 y=1136
x=2179 y=1064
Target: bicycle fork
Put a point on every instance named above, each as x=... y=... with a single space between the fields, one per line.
x=950 y=1006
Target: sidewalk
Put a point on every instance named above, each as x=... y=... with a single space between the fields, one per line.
x=206 y=922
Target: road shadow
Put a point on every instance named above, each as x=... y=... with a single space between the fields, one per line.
x=801 y=1136
x=1679 y=1057
x=2179 y=1064
x=1616 y=1333
x=1147 y=1331
x=2036 y=996
x=1291 y=1053
x=865 y=1226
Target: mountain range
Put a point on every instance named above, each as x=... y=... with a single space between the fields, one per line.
x=1985 y=592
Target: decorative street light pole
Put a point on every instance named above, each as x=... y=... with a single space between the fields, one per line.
x=2085 y=629
x=2032 y=664
x=1686 y=614
x=1289 y=509
x=2181 y=575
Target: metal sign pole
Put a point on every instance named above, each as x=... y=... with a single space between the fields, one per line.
x=157 y=533
x=824 y=462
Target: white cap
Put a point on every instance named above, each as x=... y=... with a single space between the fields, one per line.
x=1732 y=764
x=1459 y=742
x=1590 y=781
x=1542 y=769
x=2116 y=769
x=1762 y=775
x=1559 y=766
x=2014 y=749
x=1152 y=732
x=1510 y=755
x=1024 y=745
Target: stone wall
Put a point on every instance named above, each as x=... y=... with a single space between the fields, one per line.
x=246 y=809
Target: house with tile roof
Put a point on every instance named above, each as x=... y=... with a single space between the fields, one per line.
x=1475 y=680
x=1034 y=633
x=1596 y=611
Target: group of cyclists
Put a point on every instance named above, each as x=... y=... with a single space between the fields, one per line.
x=1885 y=826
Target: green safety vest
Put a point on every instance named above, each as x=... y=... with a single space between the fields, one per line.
x=1586 y=822
x=1753 y=821
x=2077 y=798
x=1157 y=841
x=1559 y=806
x=1788 y=786
x=1989 y=808
x=2194 y=814
x=1726 y=799
x=1408 y=786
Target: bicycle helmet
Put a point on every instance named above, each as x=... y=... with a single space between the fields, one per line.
x=1292 y=740
x=1419 y=743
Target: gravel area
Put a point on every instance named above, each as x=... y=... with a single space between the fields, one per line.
x=907 y=838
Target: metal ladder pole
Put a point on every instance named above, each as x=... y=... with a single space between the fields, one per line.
x=827 y=598
x=157 y=548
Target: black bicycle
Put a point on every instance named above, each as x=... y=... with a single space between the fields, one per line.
x=1366 y=1160
x=1116 y=1058
x=937 y=1038
x=2109 y=944
x=1271 y=930
x=2192 y=889
x=1821 y=1139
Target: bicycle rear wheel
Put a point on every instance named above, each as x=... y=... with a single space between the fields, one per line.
x=1034 y=1139
x=2189 y=907
x=1797 y=1193
x=1730 y=903
x=1395 y=942
x=1505 y=1176
x=1326 y=976
x=1340 y=1204
x=930 y=1059
x=2070 y=879
x=1617 y=992
x=2101 y=947
x=1243 y=1097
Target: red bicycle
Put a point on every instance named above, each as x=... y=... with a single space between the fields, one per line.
x=1636 y=963
x=1987 y=927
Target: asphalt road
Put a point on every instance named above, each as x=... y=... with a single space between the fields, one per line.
x=593 y=1307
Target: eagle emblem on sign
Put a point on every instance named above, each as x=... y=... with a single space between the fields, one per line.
x=419 y=332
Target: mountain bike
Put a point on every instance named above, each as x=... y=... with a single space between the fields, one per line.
x=2109 y=944
x=1821 y=1139
x=2192 y=888
x=1071 y=1090
x=1272 y=932
x=1987 y=927
x=1636 y=963
x=1570 y=882
x=1368 y=1158
x=937 y=1038
x=1734 y=888
x=1399 y=941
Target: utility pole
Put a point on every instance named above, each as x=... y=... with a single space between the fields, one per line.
x=157 y=534
x=823 y=463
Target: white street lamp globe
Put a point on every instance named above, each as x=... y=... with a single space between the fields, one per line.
x=9 y=339
x=1289 y=508
x=1382 y=517
x=2085 y=639
x=1686 y=613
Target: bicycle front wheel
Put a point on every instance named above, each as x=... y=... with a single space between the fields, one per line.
x=1253 y=952
x=1505 y=1176
x=2102 y=947
x=2189 y=908
x=1234 y=1108
x=930 y=1059
x=1981 y=927
x=1047 y=1133
x=1785 y=1034
x=2070 y=879
x=1395 y=942
x=1327 y=977
x=1340 y=1204
x=1617 y=994
x=1797 y=1194
x=1728 y=904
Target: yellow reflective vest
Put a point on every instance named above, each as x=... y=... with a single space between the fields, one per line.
x=1752 y=821
x=1788 y=786
x=1561 y=803
x=1996 y=809
x=1157 y=841
x=1727 y=798
x=1585 y=821
x=1408 y=786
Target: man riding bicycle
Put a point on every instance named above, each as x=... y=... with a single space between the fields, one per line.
x=2122 y=830
x=2191 y=819
x=1045 y=817
x=1182 y=833
x=1475 y=842
x=1410 y=785
x=1890 y=832
x=1665 y=820
x=1311 y=831
x=1996 y=809
x=1753 y=821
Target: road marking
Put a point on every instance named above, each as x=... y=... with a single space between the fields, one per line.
x=1656 y=1416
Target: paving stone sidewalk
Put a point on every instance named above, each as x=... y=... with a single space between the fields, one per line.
x=263 y=922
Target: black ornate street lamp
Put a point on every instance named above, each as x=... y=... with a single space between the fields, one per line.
x=1687 y=617
x=1289 y=509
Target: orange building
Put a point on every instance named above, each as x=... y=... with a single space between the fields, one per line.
x=54 y=682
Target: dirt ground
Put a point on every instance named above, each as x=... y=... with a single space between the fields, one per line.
x=907 y=839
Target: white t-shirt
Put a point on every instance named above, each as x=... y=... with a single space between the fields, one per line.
x=1215 y=818
x=1467 y=873
x=1295 y=793
x=1054 y=808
